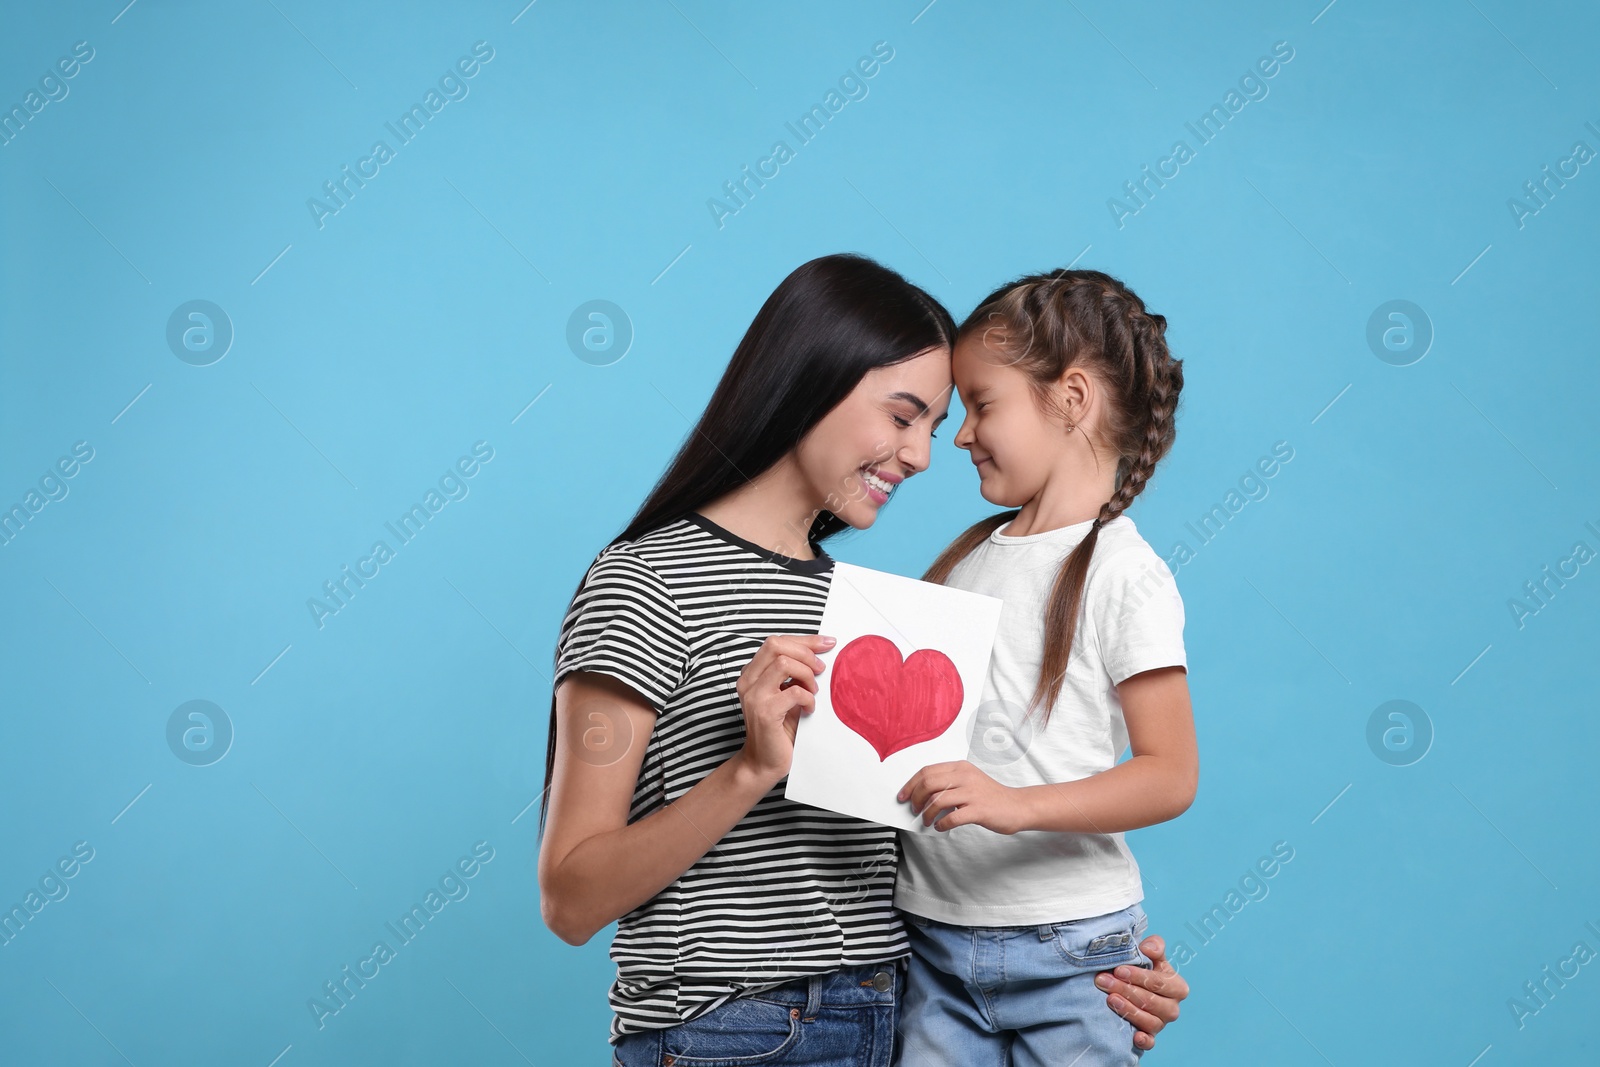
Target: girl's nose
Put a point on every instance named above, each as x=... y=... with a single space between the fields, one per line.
x=964 y=435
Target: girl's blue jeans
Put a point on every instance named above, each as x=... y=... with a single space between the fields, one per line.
x=991 y=996
x=844 y=1018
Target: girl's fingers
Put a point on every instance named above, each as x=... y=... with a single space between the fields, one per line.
x=946 y=800
x=917 y=790
x=932 y=797
x=909 y=790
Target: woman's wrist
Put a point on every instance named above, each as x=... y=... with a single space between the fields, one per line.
x=749 y=779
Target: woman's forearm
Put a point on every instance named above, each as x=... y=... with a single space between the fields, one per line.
x=609 y=874
x=1140 y=791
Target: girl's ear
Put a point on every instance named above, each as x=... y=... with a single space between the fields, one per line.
x=1076 y=393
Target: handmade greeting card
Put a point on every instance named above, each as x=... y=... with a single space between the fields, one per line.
x=899 y=692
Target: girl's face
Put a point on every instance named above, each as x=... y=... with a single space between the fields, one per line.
x=877 y=436
x=1014 y=444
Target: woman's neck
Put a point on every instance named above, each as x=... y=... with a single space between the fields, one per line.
x=770 y=511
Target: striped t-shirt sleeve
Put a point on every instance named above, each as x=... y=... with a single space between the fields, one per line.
x=624 y=623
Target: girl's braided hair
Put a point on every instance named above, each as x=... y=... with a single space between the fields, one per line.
x=1045 y=324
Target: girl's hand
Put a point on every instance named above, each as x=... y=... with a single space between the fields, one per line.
x=1145 y=996
x=775 y=688
x=974 y=796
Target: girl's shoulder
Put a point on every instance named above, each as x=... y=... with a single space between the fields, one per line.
x=1122 y=556
x=1135 y=613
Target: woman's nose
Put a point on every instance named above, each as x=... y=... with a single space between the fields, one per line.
x=915 y=455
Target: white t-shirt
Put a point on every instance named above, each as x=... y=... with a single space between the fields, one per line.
x=1131 y=620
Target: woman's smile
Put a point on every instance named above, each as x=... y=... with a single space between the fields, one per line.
x=879 y=484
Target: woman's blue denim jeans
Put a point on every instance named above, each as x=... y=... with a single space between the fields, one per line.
x=845 y=1018
x=989 y=996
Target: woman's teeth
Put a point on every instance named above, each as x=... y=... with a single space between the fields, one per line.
x=882 y=486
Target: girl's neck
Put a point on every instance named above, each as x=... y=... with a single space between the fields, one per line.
x=1064 y=501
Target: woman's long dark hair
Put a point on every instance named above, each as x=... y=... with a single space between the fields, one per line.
x=823 y=328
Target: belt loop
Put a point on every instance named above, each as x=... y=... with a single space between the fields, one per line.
x=1046 y=931
x=814 y=996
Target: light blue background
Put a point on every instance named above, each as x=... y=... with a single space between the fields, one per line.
x=431 y=310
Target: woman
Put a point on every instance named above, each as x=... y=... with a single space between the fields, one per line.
x=751 y=929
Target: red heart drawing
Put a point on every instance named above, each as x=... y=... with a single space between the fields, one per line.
x=894 y=704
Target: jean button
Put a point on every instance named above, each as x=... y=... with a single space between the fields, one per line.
x=881 y=981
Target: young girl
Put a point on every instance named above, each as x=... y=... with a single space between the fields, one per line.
x=1028 y=890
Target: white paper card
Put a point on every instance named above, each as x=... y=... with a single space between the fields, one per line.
x=900 y=690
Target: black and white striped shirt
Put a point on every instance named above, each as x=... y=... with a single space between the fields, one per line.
x=791 y=890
